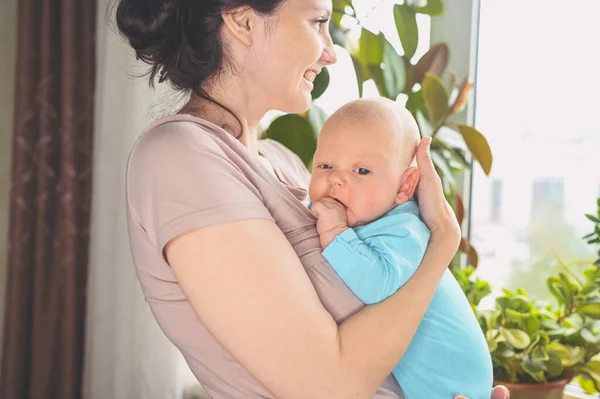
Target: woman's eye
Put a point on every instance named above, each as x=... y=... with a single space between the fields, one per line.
x=362 y=171
x=324 y=166
x=321 y=21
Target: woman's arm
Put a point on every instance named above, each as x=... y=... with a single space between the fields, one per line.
x=249 y=288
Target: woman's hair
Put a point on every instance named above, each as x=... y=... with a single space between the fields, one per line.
x=180 y=39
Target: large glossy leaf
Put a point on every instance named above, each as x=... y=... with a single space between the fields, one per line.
x=433 y=8
x=416 y=105
x=406 y=25
x=479 y=147
x=320 y=84
x=376 y=73
x=441 y=165
x=295 y=133
x=434 y=61
x=394 y=71
x=370 y=51
x=316 y=117
x=338 y=35
x=436 y=98
x=361 y=75
x=341 y=8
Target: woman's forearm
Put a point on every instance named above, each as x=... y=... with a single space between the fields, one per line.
x=391 y=324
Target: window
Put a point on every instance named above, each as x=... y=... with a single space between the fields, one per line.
x=536 y=102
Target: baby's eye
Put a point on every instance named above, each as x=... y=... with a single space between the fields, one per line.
x=324 y=166
x=362 y=171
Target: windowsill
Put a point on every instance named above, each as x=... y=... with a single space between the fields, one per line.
x=575 y=392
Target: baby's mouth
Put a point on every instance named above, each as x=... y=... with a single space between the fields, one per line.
x=337 y=200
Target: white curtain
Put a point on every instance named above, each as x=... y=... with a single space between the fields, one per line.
x=127 y=355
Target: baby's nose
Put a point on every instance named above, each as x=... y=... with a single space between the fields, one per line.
x=336 y=179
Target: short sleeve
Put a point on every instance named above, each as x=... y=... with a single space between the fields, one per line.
x=181 y=177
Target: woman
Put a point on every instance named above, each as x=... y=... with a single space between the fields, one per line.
x=224 y=247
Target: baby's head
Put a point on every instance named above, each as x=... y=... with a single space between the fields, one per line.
x=365 y=158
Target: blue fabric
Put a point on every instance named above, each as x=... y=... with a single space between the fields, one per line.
x=449 y=354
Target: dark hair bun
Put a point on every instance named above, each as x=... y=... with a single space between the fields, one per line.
x=177 y=38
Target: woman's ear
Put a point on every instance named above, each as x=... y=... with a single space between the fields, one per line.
x=408 y=184
x=240 y=22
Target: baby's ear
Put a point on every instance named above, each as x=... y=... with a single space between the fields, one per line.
x=408 y=184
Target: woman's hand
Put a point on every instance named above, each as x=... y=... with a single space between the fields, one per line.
x=435 y=210
x=499 y=392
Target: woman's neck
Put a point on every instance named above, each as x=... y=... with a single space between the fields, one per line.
x=241 y=105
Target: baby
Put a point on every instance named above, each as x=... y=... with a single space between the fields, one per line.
x=363 y=181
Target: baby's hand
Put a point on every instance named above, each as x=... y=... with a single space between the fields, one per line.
x=331 y=219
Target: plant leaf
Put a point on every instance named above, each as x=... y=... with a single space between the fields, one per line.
x=591 y=309
x=516 y=338
x=540 y=355
x=593 y=369
x=466 y=247
x=316 y=117
x=433 y=8
x=592 y=218
x=553 y=365
x=434 y=61
x=394 y=71
x=320 y=84
x=590 y=337
x=406 y=25
x=436 y=98
x=376 y=73
x=460 y=210
x=479 y=147
x=338 y=35
x=532 y=326
x=294 y=132
x=416 y=105
x=370 y=50
x=361 y=76
x=462 y=97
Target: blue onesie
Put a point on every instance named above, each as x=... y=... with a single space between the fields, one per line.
x=449 y=354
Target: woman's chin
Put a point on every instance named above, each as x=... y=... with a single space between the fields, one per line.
x=298 y=103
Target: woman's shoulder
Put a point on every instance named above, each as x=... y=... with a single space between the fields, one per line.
x=174 y=134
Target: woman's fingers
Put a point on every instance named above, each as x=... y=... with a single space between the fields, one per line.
x=424 y=162
x=500 y=392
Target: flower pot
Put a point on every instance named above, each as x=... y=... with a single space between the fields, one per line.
x=551 y=390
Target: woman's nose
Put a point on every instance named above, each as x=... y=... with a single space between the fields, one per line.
x=329 y=55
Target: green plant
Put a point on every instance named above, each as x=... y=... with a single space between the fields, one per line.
x=594 y=236
x=532 y=341
x=398 y=76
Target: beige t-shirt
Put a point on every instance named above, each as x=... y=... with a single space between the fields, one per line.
x=185 y=173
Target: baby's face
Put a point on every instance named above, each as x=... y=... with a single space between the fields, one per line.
x=360 y=167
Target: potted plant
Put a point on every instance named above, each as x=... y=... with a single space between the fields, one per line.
x=536 y=347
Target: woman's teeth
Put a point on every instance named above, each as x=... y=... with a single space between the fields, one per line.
x=310 y=76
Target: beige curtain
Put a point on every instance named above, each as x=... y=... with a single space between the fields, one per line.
x=127 y=355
